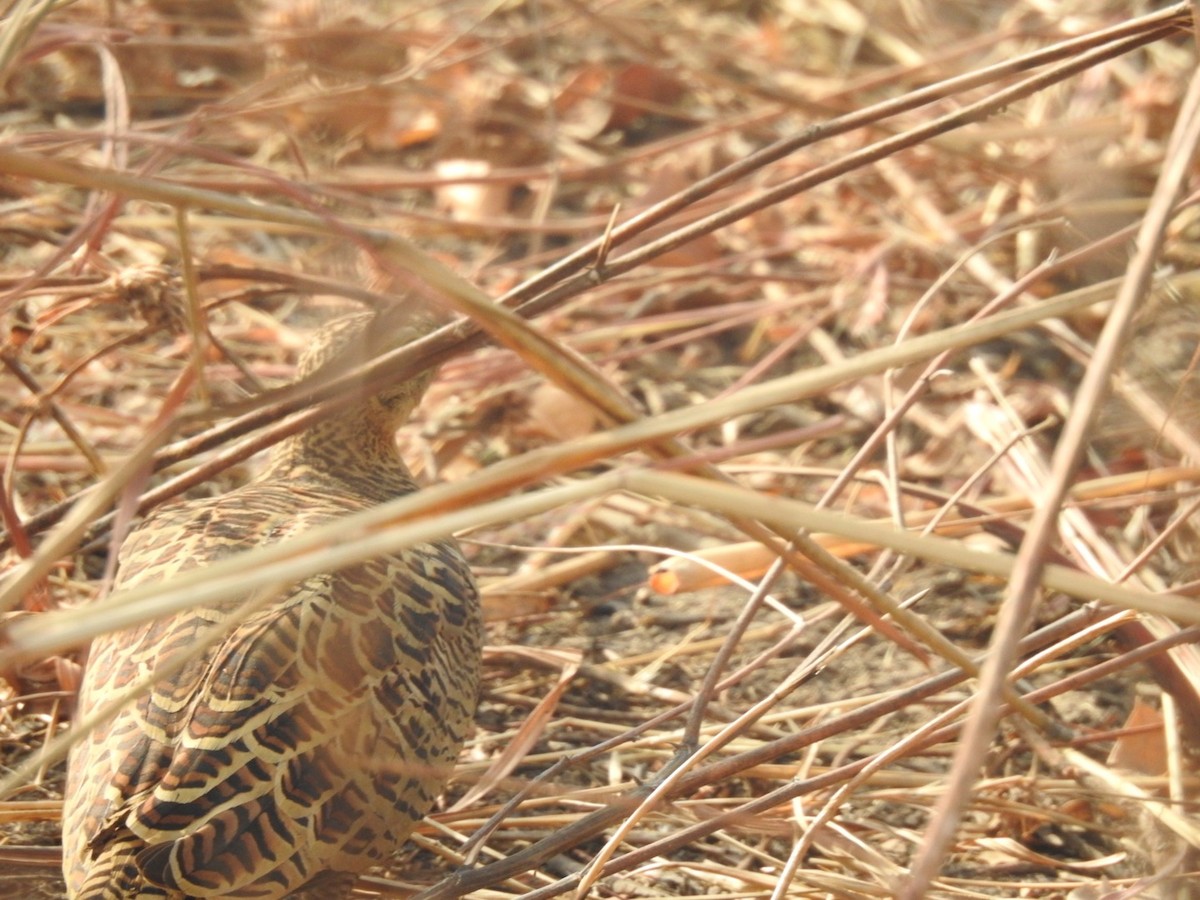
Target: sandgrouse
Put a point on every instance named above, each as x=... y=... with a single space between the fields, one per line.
x=304 y=745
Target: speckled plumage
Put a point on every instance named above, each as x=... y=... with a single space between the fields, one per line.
x=303 y=746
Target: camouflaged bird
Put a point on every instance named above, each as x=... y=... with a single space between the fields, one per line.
x=304 y=745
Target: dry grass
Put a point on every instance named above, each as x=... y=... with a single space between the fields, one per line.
x=828 y=457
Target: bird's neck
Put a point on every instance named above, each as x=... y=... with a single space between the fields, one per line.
x=350 y=451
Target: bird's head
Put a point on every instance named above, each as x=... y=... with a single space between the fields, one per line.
x=355 y=339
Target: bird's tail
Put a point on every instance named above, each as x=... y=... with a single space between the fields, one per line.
x=114 y=875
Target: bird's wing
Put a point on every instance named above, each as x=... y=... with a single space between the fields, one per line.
x=302 y=740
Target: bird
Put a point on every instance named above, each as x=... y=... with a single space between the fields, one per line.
x=304 y=744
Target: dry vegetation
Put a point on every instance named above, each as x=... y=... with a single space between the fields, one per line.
x=853 y=274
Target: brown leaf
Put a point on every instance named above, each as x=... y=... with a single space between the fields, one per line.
x=1143 y=749
x=556 y=414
